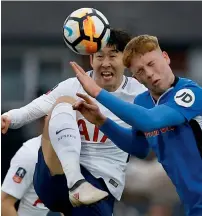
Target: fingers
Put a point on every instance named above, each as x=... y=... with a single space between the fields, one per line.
x=7 y=126
x=90 y=107
x=78 y=105
x=81 y=105
x=77 y=69
x=86 y=98
x=5 y=122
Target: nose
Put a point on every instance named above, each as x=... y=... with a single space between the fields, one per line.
x=106 y=62
x=149 y=73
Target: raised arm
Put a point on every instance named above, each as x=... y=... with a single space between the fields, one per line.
x=37 y=108
x=139 y=117
x=127 y=139
x=176 y=111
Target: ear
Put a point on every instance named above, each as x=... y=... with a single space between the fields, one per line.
x=91 y=60
x=166 y=57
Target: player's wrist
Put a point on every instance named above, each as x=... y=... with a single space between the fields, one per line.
x=101 y=121
x=7 y=118
x=7 y=114
x=97 y=91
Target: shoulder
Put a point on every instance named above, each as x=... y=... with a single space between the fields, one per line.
x=33 y=143
x=186 y=91
x=184 y=82
x=73 y=82
x=29 y=151
x=186 y=98
x=26 y=157
x=69 y=81
x=142 y=97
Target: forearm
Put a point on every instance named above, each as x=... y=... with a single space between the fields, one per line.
x=139 y=117
x=126 y=139
x=34 y=110
x=8 y=210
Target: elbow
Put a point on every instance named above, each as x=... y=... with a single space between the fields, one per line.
x=7 y=200
x=152 y=123
x=140 y=152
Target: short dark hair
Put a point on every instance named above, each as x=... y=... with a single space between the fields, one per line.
x=119 y=38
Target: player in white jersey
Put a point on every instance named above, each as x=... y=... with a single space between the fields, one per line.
x=98 y=154
x=18 y=183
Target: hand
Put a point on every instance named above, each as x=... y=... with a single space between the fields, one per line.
x=87 y=82
x=5 y=122
x=89 y=110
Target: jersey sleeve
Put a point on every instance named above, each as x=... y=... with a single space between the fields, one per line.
x=187 y=100
x=42 y=105
x=20 y=174
x=127 y=139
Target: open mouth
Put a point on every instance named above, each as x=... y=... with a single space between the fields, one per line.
x=155 y=82
x=107 y=75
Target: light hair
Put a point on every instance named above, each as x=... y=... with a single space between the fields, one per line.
x=139 y=46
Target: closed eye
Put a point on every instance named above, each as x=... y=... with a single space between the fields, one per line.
x=150 y=63
x=139 y=71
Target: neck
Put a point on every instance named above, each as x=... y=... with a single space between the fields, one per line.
x=113 y=88
x=171 y=81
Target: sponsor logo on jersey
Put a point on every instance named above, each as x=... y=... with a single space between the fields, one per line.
x=85 y=132
x=66 y=136
x=157 y=132
x=58 y=131
x=19 y=175
x=112 y=182
x=185 y=97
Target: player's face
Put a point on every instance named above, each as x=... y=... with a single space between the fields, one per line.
x=152 y=69
x=108 y=68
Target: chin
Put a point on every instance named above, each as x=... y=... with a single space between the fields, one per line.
x=109 y=86
x=160 y=91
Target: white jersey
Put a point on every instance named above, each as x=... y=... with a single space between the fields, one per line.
x=98 y=154
x=19 y=179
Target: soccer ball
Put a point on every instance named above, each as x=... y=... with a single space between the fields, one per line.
x=86 y=31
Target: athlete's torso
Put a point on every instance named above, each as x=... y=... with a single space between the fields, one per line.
x=178 y=148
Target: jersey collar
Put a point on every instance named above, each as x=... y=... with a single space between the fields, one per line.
x=175 y=81
x=171 y=87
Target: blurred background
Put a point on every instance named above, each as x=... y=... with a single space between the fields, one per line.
x=34 y=59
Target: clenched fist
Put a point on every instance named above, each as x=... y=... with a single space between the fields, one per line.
x=5 y=122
